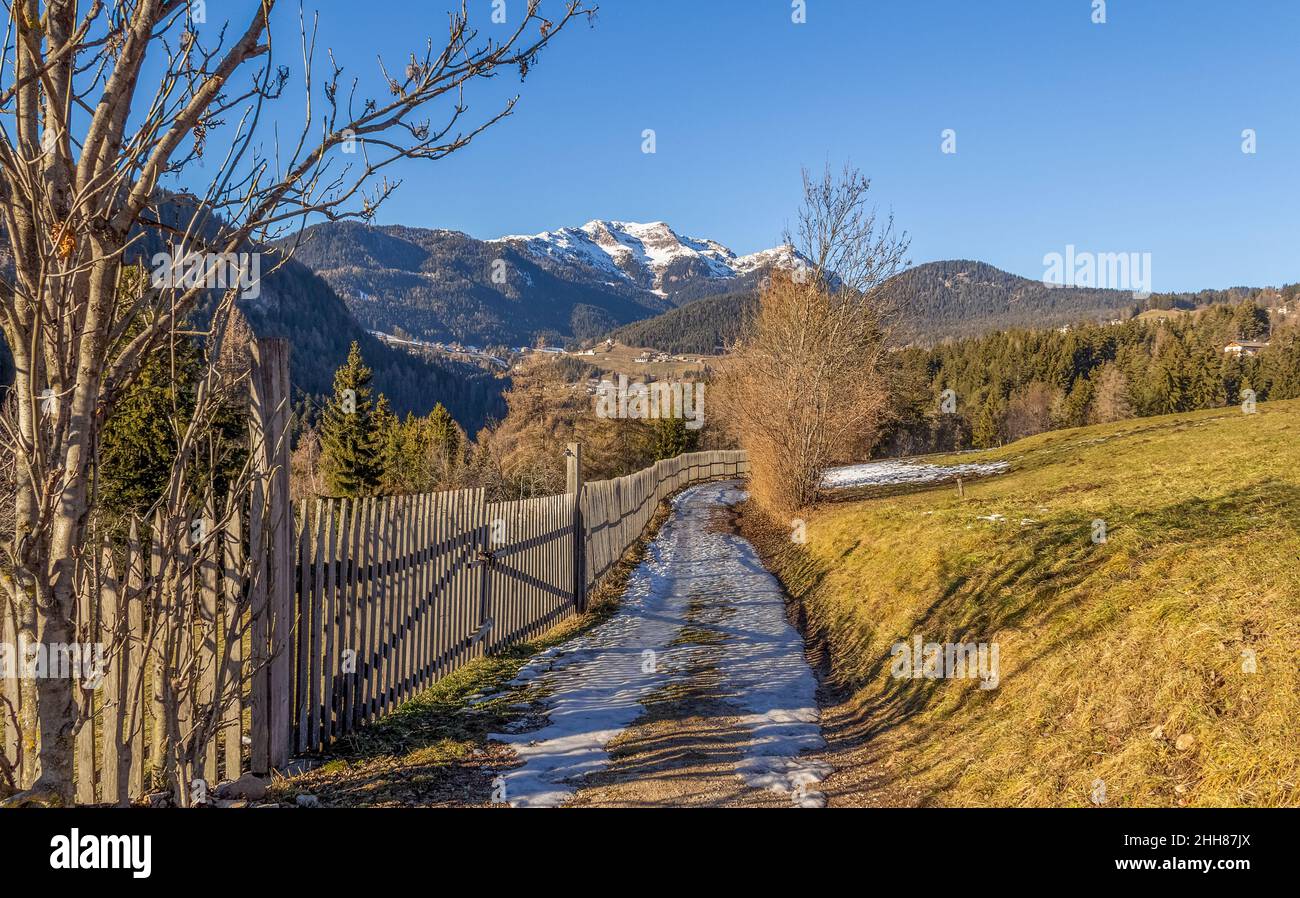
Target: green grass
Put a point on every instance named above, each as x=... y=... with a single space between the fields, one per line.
x=1110 y=652
x=433 y=749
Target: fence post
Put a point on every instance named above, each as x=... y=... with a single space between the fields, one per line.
x=573 y=486
x=270 y=407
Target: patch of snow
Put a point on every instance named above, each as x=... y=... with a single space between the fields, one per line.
x=642 y=252
x=598 y=681
x=889 y=472
x=763 y=668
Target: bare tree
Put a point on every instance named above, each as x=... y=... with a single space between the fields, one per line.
x=1029 y=410
x=1111 y=400
x=805 y=386
x=102 y=101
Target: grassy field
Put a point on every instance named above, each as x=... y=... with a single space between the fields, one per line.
x=622 y=360
x=1126 y=674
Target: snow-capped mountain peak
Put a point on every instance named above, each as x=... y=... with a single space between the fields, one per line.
x=649 y=255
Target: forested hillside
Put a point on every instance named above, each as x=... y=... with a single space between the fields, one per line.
x=938 y=301
x=962 y=298
x=931 y=303
x=298 y=305
x=1016 y=383
x=703 y=326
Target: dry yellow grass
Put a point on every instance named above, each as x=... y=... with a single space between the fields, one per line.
x=1125 y=662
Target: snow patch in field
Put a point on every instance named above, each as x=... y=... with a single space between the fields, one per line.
x=886 y=473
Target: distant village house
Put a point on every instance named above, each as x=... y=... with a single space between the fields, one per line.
x=1244 y=347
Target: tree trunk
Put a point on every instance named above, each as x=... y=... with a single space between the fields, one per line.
x=57 y=712
x=25 y=524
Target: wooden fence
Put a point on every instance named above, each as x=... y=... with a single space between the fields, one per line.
x=312 y=621
x=615 y=512
x=396 y=592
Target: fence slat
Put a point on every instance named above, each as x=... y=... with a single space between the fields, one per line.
x=306 y=651
x=186 y=599
x=329 y=613
x=157 y=659
x=259 y=633
x=441 y=571
x=403 y=596
x=115 y=756
x=206 y=647
x=133 y=722
x=312 y=621
x=232 y=578
x=9 y=686
x=464 y=558
x=426 y=587
x=347 y=643
x=381 y=605
x=365 y=594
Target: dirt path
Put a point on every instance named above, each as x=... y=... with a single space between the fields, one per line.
x=696 y=692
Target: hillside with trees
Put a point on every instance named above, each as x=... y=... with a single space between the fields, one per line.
x=357 y=446
x=961 y=298
x=703 y=326
x=1012 y=384
x=929 y=303
x=297 y=304
x=940 y=301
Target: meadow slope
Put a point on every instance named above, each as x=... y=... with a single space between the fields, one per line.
x=1155 y=668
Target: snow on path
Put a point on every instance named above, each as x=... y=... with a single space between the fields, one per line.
x=597 y=681
x=765 y=672
x=885 y=473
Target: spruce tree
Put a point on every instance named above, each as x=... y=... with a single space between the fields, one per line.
x=349 y=435
x=401 y=452
x=139 y=441
x=671 y=438
x=986 y=430
x=448 y=442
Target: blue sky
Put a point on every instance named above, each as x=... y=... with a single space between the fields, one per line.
x=1121 y=137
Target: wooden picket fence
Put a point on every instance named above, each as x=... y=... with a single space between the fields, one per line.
x=386 y=596
x=304 y=624
x=396 y=592
x=615 y=512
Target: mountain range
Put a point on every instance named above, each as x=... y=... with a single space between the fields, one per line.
x=567 y=284
x=930 y=303
x=645 y=283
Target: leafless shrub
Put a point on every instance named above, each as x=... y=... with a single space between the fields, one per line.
x=805 y=386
